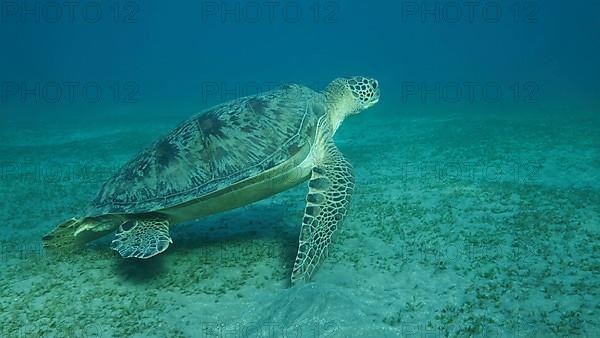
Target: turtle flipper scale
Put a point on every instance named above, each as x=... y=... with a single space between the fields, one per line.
x=330 y=190
x=142 y=238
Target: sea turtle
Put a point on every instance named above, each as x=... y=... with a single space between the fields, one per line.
x=231 y=155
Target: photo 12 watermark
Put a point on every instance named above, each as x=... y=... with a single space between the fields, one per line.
x=24 y=92
x=475 y=171
x=52 y=327
x=408 y=328
x=20 y=250
x=469 y=12
x=224 y=253
x=266 y=329
x=224 y=91
x=55 y=172
x=72 y=12
x=270 y=12
x=443 y=255
x=469 y=92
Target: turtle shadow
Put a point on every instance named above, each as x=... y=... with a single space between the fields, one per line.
x=264 y=231
x=130 y=269
x=140 y=270
x=270 y=219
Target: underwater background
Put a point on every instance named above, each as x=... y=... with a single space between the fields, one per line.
x=477 y=203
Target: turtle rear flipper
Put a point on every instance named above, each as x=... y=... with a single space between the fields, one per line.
x=74 y=233
x=63 y=236
x=329 y=194
x=142 y=238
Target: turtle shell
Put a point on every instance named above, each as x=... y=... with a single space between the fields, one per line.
x=213 y=150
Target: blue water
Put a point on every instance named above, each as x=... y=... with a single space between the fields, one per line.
x=476 y=211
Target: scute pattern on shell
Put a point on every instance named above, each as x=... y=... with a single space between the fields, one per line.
x=213 y=150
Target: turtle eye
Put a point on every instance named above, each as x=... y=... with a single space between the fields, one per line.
x=374 y=84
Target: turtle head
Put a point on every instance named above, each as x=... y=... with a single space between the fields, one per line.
x=351 y=95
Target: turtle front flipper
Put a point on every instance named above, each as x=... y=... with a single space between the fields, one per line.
x=330 y=190
x=142 y=238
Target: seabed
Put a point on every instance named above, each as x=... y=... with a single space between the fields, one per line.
x=459 y=226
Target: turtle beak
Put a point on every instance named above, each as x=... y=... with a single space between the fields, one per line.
x=375 y=97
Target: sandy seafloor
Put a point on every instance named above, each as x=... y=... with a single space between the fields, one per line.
x=460 y=226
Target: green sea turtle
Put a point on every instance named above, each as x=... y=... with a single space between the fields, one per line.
x=231 y=155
